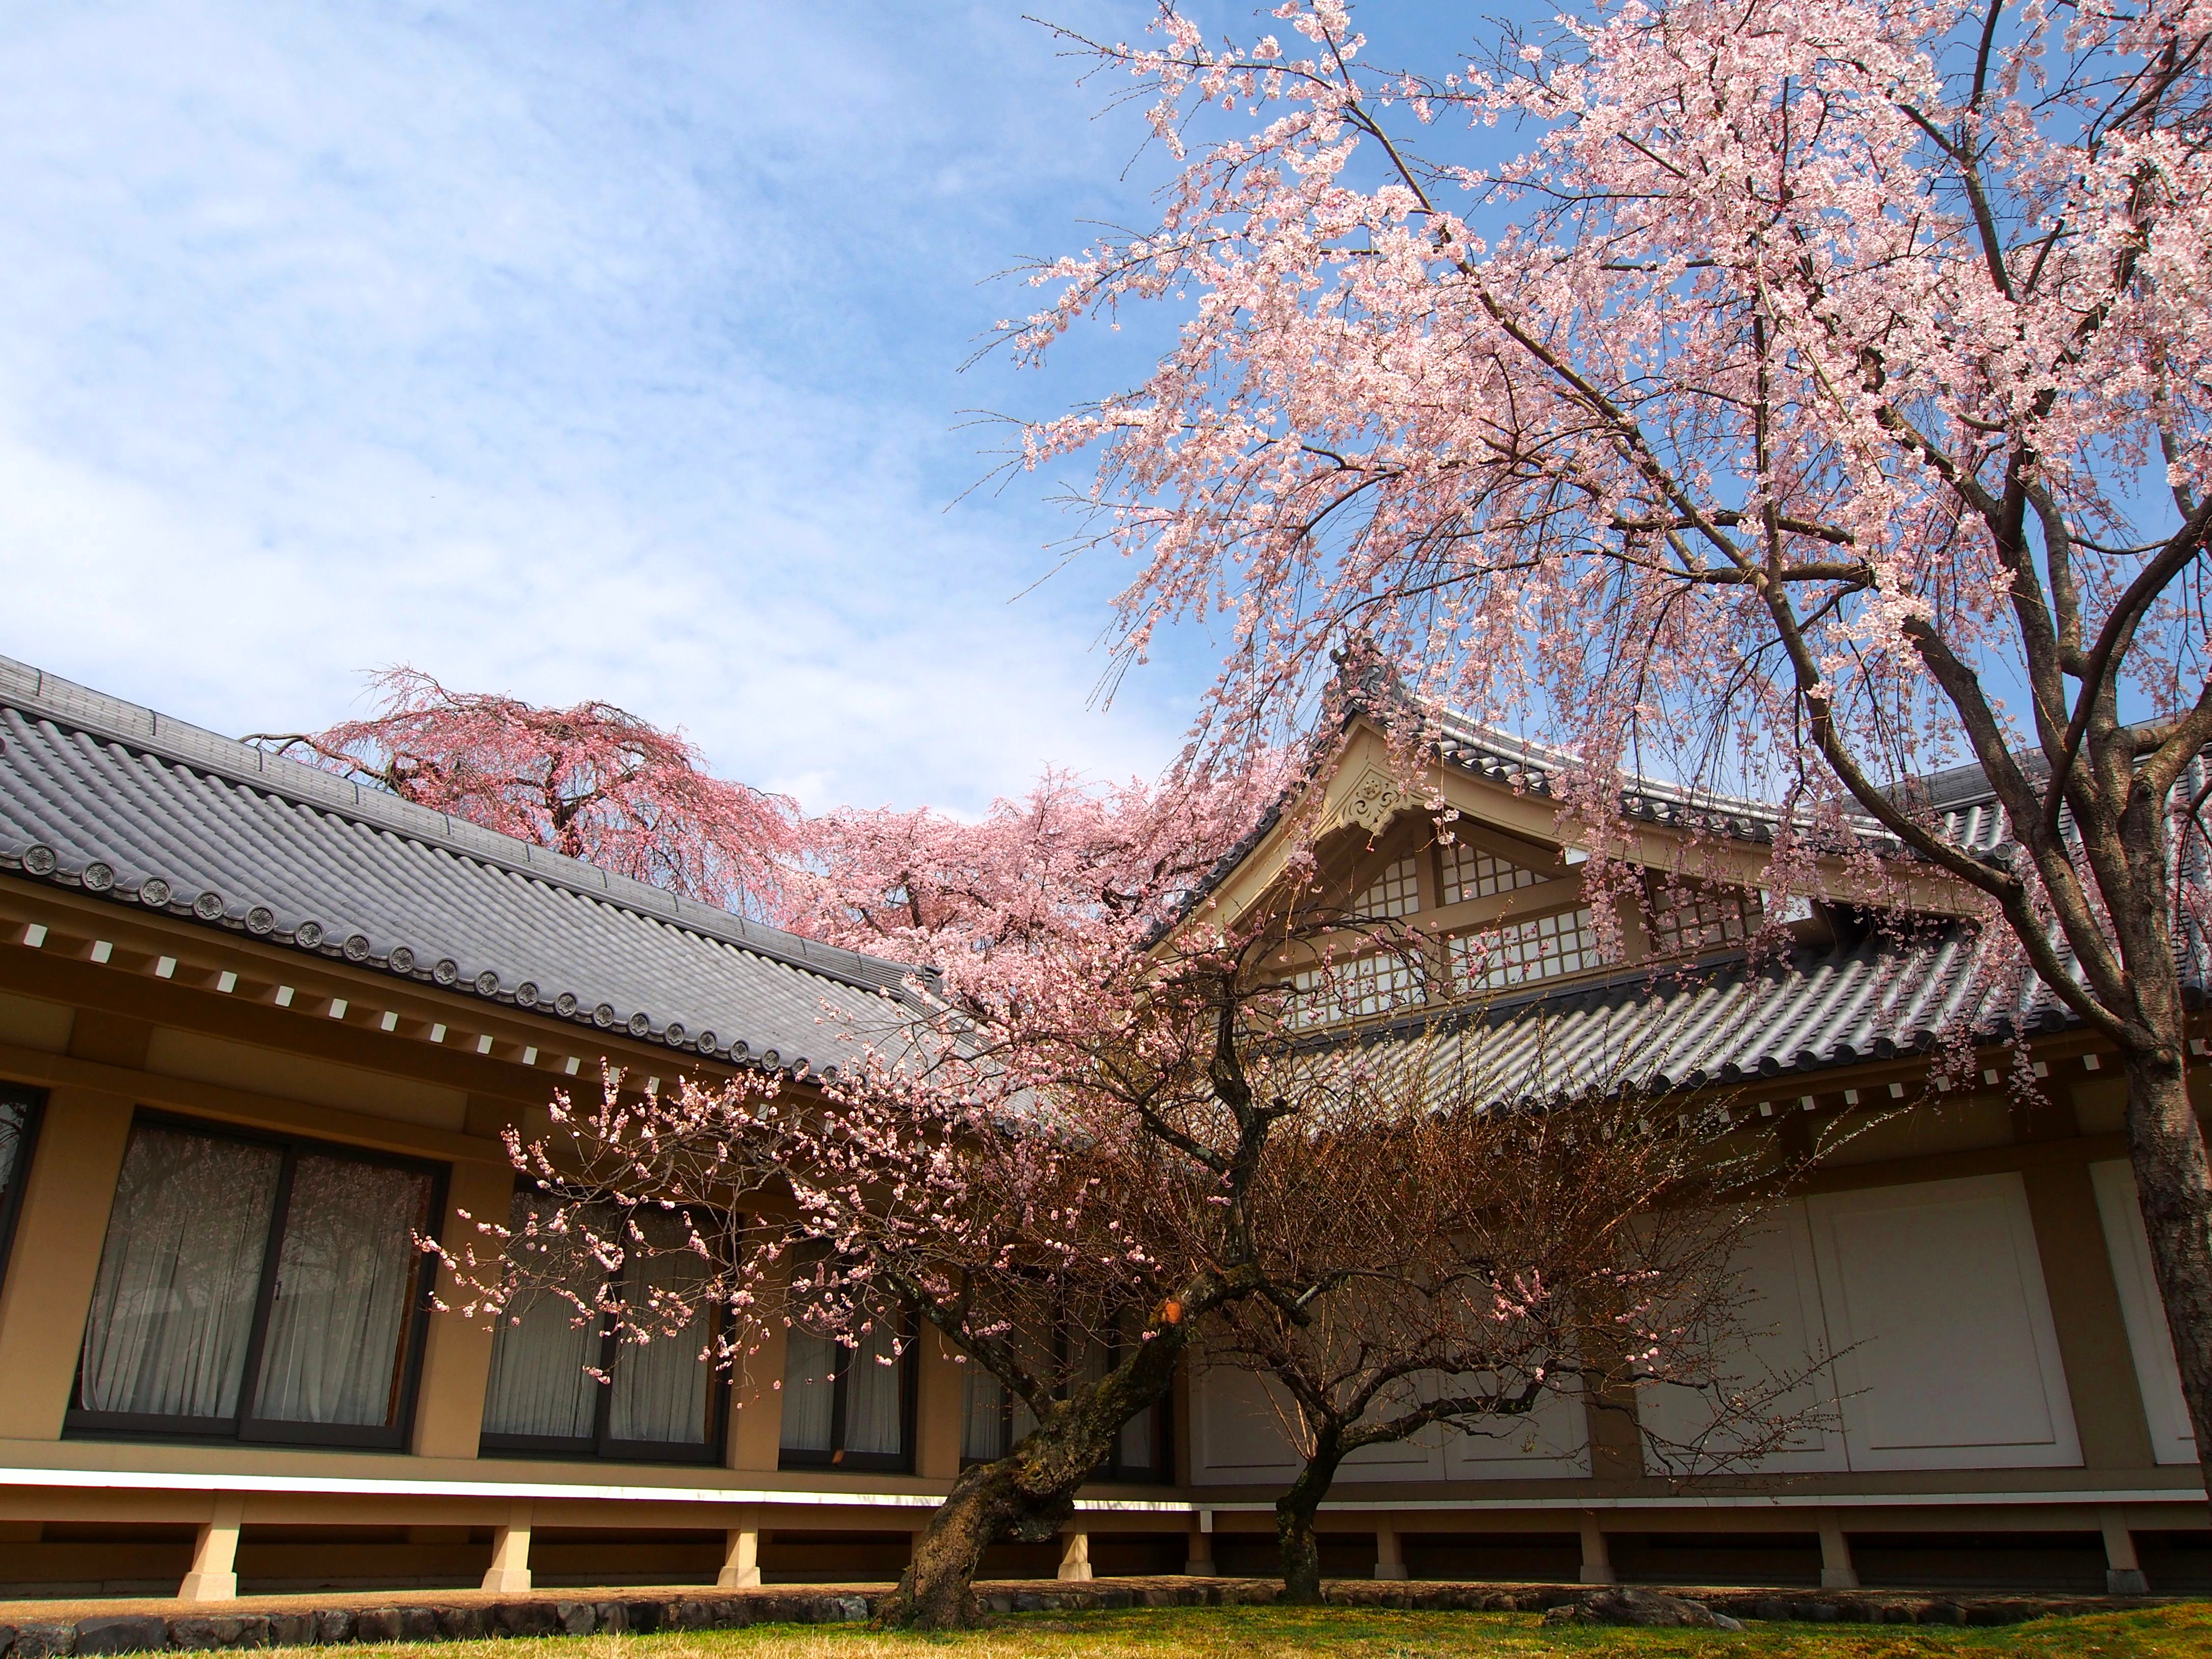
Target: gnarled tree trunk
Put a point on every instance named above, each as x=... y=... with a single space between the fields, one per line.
x=937 y=1591
x=1294 y=1519
x=2173 y=1183
x=1027 y=1495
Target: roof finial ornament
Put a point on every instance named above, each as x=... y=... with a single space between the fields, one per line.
x=1367 y=682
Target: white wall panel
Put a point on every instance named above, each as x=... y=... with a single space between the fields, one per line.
x=1241 y=1435
x=1551 y=1442
x=1784 y=1336
x=1421 y=1458
x=1239 y=1429
x=2149 y=1338
x=1945 y=1355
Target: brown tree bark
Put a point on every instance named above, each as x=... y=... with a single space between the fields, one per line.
x=1027 y=1495
x=937 y=1591
x=2173 y=1184
x=1294 y=1519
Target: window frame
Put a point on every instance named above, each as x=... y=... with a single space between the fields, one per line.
x=32 y=1099
x=245 y=1428
x=836 y=1459
x=1466 y=984
x=600 y=1446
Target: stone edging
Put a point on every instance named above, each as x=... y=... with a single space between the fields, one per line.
x=552 y=1615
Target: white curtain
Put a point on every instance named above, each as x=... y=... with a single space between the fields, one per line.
x=1024 y=1424
x=873 y=1420
x=661 y=1386
x=984 y=1424
x=538 y=1352
x=1136 y=1439
x=810 y=1366
x=537 y=1383
x=347 y=1275
x=987 y=1433
x=172 y=1306
x=1137 y=1452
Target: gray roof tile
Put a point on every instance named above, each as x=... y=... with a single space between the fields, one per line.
x=96 y=781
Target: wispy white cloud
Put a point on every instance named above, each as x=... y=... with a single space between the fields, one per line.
x=567 y=348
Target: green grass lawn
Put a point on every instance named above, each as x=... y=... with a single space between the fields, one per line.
x=1367 y=1633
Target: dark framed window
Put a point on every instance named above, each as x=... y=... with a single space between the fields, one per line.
x=259 y=1287
x=20 y=1107
x=849 y=1407
x=995 y=1420
x=662 y=1401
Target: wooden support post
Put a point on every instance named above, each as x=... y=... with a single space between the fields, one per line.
x=2123 y=1573
x=214 y=1576
x=1199 y=1563
x=1597 y=1561
x=1836 y=1572
x=1075 y=1558
x=740 y=1558
x=510 y=1553
x=1390 y=1557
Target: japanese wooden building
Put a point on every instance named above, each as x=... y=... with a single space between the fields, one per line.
x=259 y=1027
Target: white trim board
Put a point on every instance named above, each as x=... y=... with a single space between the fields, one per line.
x=170 y=1481
x=2150 y=1339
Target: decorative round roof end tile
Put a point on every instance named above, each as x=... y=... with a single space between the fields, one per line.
x=565 y=1004
x=308 y=935
x=706 y=1042
x=525 y=994
x=769 y=1057
x=357 y=947
x=487 y=983
x=261 y=919
x=674 y=1035
x=829 y=1073
x=401 y=960
x=604 y=1016
x=208 y=907
x=446 y=972
x=798 y=1066
x=38 y=858
x=740 y=1048
x=638 y=1024
x=154 y=893
x=97 y=876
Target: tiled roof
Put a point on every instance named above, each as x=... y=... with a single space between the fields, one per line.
x=1719 y=1021
x=1735 y=1016
x=1516 y=763
x=102 y=795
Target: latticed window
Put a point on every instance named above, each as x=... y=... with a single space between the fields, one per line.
x=1470 y=873
x=1543 y=948
x=1396 y=892
x=1354 y=989
x=1698 y=918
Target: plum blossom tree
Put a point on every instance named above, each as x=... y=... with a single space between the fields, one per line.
x=1049 y=1168
x=1818 y=396
x=592 y=781
x=1073 y=1178
x=1464 y=1266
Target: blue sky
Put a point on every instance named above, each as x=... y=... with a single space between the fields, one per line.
x=569 y=349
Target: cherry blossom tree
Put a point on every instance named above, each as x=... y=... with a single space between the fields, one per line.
x=1074 y=865
x=592 y=781
x=1810 y=396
